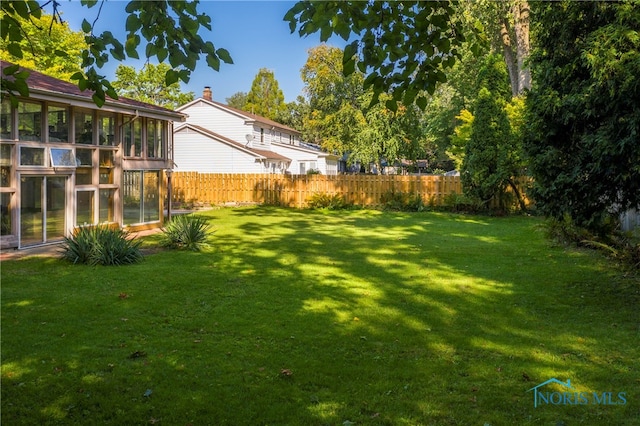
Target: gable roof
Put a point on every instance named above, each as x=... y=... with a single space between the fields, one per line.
x=258 y=153
x=244 y=114
x=44 y=86
x=306 y=149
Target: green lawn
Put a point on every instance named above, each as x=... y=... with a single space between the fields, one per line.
x=314 y=318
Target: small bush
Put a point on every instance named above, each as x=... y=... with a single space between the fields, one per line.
x=186 y=232
x=327 y=201
x=101 y=245
x=402 y=201
x=461 y=203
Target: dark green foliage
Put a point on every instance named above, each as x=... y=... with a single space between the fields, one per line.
x=101 y=245
x=583 y=115
x=402 y=201
x=485 y=172
x=327 y=201
x=188 y=232
x=388 y=40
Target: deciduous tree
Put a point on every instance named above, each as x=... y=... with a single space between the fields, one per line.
x=265 y=97
x=168 y=30
x=48 y=46
x=403 y=47
x=149 y=85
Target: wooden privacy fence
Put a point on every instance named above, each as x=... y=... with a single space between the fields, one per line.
x=295 y=190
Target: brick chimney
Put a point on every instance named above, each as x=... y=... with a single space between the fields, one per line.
x=206 y=93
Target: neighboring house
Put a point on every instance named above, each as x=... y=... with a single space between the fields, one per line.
x=222 y=155
x=66 y=163
x=217 y=136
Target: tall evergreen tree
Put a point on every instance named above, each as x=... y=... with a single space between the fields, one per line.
x=583 y=115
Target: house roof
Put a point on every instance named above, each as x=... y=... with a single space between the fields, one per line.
x=44 y=85
x=306 y=149
x=246 y=115
x=260 y=153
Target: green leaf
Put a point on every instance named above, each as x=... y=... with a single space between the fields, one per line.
x=391 y=105
x=132 y=6
x=213 y=62
x=151 y=50
x=133 y=23
x=162 y=54
x=11 y=69
x=422 y=102
x=223 y=54
x=325 y=33
x=170 y=77
x=130 y=46
x=86 y=26
x=15 y=50
x=349 y=67
x=82 y=84
x=98 y=100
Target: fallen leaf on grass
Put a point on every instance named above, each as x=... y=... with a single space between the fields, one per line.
x=285 y=372
x=138 y=354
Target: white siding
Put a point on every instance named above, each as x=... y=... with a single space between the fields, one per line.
x=195 y=152
x=220 y=121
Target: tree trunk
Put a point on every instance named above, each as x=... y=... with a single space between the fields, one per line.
x=509 y=56
x=520 y=12
x=514 y=186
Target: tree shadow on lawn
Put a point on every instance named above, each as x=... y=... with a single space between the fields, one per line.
x=312 y=318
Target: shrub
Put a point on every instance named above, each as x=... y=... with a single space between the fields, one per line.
x=622 y=247
x=402 y=201
x=459 y=203
x=186 y=232
x=327 y=201
x=101 y=245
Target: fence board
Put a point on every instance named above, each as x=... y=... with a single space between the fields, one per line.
x=295 y=190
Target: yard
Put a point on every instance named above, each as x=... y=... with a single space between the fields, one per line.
x=327 y=318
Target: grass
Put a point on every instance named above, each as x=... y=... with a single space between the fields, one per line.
x=313 y=318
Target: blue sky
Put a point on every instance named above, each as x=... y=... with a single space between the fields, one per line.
x=252 y=31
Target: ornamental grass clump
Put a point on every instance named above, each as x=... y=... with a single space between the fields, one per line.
x=186 y=232
x=101 y=245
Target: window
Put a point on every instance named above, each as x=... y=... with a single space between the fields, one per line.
x=62 y=157
x=31 y=156
x=106 y=129
x=106 y=166
x=58 y=124
x=83 y=127
x=84 y=171
x=5 y=213
x=133 y=139
x=106 y=205
x=302 y=168
x=30 y=121
x=5 y=119
x=5 y=165
x=85 y=208
x=154 y=139
x=261 y=135
x=141 y=191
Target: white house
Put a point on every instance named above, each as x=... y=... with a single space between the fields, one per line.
x=204 y=151
x=218 y=138
x=65 y=163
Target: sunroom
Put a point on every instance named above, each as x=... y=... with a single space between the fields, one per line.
x=65 y=163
